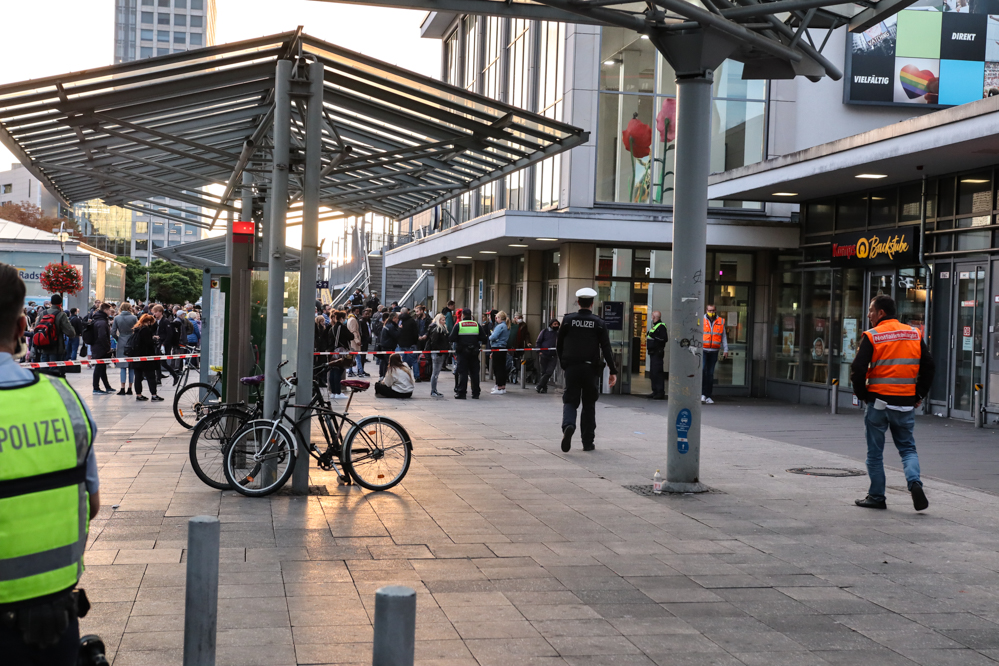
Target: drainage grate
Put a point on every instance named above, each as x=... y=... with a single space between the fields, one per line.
x=313 y=490
x=826 y=471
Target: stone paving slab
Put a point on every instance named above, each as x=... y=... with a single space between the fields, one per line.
x=521 y=554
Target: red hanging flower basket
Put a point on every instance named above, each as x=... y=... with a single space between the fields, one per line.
x=61 y=279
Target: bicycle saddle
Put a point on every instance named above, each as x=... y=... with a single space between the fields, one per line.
x=355 y=384
x=215 y=368
x=256 y=380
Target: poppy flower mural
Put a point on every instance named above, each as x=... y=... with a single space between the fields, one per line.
x=666 y=126
x=637 y=138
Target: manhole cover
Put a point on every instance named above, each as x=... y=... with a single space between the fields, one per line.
x=826 y=471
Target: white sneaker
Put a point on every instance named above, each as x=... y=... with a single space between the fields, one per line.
x=340 y=396
x=703 y=399
x=501 y=392
x=709 y=401
x=495 y=390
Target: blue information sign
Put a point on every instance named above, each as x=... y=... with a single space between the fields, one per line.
x=682 y=427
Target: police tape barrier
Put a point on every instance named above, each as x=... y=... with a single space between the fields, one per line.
x=416 y=351
x=106 y=361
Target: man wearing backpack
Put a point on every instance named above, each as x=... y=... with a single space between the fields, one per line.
x=49 y=331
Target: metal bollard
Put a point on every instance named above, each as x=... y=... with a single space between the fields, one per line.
x=482 y=365
x=523 y=370
x=202 y=596
x=834 y=398
x=395 y=626
x=979 y=414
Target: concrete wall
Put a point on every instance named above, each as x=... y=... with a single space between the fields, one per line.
x=576 y=268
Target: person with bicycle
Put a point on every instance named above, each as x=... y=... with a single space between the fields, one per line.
x=48 y=495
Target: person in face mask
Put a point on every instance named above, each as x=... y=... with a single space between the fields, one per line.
x=547 y=358
x=715 y=341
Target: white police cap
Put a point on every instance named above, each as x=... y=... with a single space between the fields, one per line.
x=586 y=292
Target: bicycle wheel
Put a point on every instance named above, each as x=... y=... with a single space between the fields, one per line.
x=209 y=441
x=191 y=403
x=260 y=458
x=377 y=453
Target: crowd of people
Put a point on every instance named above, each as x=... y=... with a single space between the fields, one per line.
x=365 y=326
x=109 y=330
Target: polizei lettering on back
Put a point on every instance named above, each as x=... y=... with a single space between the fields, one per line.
x=880 y=80
x=30 y=435
x=963 y=36
x=584 y=323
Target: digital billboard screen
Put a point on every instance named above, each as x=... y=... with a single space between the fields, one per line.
x=936 y=53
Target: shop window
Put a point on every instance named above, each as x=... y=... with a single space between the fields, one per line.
x=786 y=333
x=625 y=149
x=851 y=212
x=819 y=218
x=816 y=300
x=732 y=303
x=910 y=297
x=946 y=197
x=642 y=264
x=931 y=198
x=884 y=206
x=730 y=267
x=910 y=197
x=736 y=134
x=974 y=240
x=974 y=194
x=851 y=322
x=627 y=61
x=661 y=262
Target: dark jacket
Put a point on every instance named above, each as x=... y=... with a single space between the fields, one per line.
x=437 y=340
x=372 y=303
x=468 y=343
x=145 y=346
x=862 y=361
x=388 y=340
x=376 y=329
x=165 y=331
x=548 y=337
x=365 y=325
x=63 y=327
x=409 y=331
x=101 y=348
x=656 y=339
x=319 y=338
x=338 y=337
x=77 y=324
x=582 y=338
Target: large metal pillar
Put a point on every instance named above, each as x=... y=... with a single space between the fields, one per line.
x=690 y=233
x=275 y=232
x=310 y=251
x=238 y=361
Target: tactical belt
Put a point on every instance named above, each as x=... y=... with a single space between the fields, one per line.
x=41 y=482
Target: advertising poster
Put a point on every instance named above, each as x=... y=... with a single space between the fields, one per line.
x=849 y=339
x=935 y=52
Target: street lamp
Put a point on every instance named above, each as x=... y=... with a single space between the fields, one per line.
x=63 y=236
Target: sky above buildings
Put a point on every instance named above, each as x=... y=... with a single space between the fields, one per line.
x=49 y=37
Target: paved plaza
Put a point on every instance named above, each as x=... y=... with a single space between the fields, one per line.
x=521 y=554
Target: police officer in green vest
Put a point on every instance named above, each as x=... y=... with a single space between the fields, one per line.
x=48 y=493
x=467 y=337
x=655 y=345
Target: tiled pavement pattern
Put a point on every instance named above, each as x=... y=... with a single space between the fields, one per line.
x=523 y=555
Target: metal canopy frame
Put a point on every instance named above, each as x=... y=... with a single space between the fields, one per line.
x=393 y=142
x=774 y=37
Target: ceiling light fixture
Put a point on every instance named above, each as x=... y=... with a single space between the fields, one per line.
x=609 y=63
x=871 y=176
x=430 y=265
x=461 y=257
x=975 y=181
x=546 y=239
x=517 y=245
x=487 y=252
x=785 y=194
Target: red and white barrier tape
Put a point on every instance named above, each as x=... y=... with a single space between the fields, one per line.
x=107 y=361
x=416 y=351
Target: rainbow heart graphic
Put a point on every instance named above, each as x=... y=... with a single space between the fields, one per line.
x=915 y=81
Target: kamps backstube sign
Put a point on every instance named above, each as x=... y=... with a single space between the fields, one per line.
x=875 y=248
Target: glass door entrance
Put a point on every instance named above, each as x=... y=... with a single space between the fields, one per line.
x=966 y=345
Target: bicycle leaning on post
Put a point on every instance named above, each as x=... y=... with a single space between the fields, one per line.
x=375 y=452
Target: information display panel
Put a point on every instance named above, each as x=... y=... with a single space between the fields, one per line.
x=937 y=53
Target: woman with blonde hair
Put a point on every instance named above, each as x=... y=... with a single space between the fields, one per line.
x=439 y=346
x=497 y=341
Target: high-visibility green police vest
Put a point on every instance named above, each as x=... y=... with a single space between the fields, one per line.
x=44 y=506
x=468 y=328
x=654 y=328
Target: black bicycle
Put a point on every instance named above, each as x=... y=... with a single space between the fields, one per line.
x=375 y=452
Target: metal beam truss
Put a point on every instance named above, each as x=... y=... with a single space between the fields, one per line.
x=185 y=127
x=776 y=39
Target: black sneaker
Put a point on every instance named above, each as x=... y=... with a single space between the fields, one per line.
x=919 y=500
x=589 y=447
x=129 y=391
x=121 y=392
x=567 y=432
x=459 y=397
x=157 y=398
x=871 y=503
x=475 y=397
x=139 y=396
x=99 y=392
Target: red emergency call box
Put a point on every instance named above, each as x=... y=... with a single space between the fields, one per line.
x=243 y=232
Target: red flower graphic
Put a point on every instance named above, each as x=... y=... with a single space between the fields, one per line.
x=666 y=120
x=637 y=137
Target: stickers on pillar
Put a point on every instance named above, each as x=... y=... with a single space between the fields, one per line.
x=682 y=428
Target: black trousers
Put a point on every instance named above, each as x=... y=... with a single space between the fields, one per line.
x=145 y=371
x=581 y=386
x=386 y=392
x=710 y=358
x=468 y=368
x=499 y=368
x=658 y=374
x=16 y=653
x=547 y=366
x=101 y=375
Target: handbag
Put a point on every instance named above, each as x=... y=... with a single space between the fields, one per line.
x=340 y=357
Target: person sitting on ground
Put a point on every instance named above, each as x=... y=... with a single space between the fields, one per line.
x=398 y=382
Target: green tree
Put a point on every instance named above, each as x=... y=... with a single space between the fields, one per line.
x=135 y=278
x=168 y=282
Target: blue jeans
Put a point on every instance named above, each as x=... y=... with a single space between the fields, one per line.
x=412 y=360
x=74 y=346
x=51 y=357
x=127 y=370
x=709 y=357
x=359 y=363
x=876 y=422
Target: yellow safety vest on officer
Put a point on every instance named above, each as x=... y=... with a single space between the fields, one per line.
x=45 y=437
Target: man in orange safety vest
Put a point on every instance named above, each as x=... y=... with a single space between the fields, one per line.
x=715 y=341
x=891 y=374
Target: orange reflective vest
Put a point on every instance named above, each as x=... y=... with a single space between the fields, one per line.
x=713 y=333
x=895 y=364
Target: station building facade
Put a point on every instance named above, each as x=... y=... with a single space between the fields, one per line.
x=601 y=214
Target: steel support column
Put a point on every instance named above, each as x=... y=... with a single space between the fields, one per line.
x=278 y=197
x=306 y=284
x=238 y=355
x=690 y=218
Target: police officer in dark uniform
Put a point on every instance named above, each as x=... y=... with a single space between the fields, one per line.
x=582 y=339
x=655 y=344
x=467 y=336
